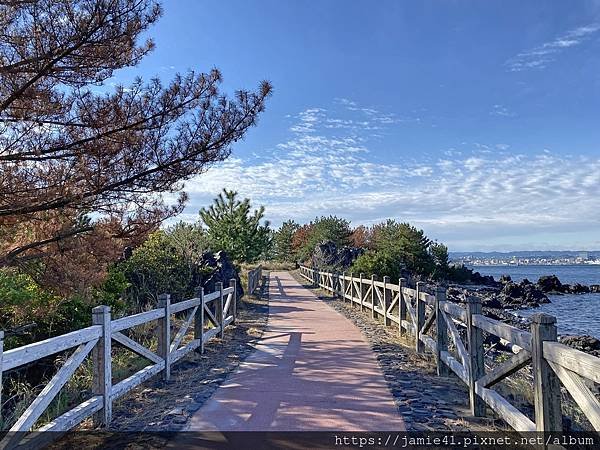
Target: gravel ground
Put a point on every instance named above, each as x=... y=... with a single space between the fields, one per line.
x=427 y=402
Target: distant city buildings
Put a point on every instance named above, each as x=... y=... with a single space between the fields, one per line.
x=581 y=258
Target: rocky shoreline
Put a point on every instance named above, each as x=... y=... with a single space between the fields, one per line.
x=500 y=299
x=507 y=294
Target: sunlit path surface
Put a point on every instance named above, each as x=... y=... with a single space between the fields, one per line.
x=312 y=370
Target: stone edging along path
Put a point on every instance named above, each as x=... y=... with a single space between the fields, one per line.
x=425 y=401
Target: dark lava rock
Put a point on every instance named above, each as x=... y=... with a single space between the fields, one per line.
x=550 y=284
x=453 y=293
x=491 y=302
x=505 y=279
x=533 y=294
x=585 y=343
x=522 y=295
x=218 y=268
x=578 y=289
x=513 y=290
x=485 y=280
x=327 y=255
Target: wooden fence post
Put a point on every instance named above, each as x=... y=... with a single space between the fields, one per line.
x=233 y=306
x=164 y=334
x=335 y=284
x=220 y=316
x=361 y=292
x=102 y=365
x=351 y=292
x=441 y=332
x=373 y=278
x=476 y=367
x=199 y=320
x=202 y=312
x=401 y=305
x=259 y=279
x=1 y=352
x=546 y=385
x=420 y=316
x=344 y=286
x=386 y=301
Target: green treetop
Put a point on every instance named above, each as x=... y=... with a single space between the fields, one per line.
x=233 y=227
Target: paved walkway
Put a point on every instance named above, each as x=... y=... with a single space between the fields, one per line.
x=312 y=370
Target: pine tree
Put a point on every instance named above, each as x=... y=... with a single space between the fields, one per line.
x=233 y=227
x=282 y=241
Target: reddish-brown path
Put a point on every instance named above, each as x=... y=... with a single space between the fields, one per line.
x=312 y=370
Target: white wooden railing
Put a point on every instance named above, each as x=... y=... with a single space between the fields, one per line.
x=415 y=313
x=254 y=279
x=217 y=309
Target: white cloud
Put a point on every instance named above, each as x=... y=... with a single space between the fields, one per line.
x=500 y=110
x=469 y=199
x=540 y=56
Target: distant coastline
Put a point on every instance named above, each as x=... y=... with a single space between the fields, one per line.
x=495 y=264
x=586 y=274
x=523 y=258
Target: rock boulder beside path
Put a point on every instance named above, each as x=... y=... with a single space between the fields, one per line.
x=219 y=268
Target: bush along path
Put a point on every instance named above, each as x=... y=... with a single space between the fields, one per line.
x=425 y=401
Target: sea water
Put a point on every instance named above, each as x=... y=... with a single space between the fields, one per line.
x=576 y=314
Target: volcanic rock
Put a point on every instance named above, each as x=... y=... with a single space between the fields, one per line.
x=550 y=284
x=217 y=267
x=328 y=256
x=585 y=343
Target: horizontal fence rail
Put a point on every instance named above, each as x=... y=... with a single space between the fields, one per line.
x=420 y=314
x=254 y=279
x=208 y=314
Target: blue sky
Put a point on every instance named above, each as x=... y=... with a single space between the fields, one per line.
x=477 y=121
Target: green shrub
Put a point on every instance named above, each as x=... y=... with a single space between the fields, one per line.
x=396 y=246
x=331 y=228
x=282 y=242
x=29 y=313
x=378 y=263
x=156 y=267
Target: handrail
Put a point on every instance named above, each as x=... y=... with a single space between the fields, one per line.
x=552 y=363
x=254 y=279
x=20 y=356
x=93 y=340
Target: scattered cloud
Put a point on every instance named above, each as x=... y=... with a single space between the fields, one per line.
x=500 y=110
x=471 y=198
x=540 y=56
